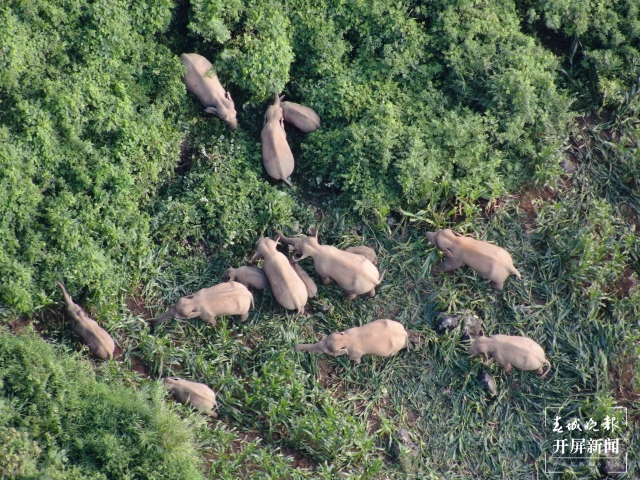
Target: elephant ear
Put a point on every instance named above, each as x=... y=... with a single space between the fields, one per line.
x=227 y=95
x=342 y=351
x=448 y=253
x=211 y=110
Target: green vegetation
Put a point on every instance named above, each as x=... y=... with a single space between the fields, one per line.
x=56 y=420
x=444 y=114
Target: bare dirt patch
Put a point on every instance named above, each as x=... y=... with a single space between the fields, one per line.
x=137 y=306
x=625 y=389
x=18 y=325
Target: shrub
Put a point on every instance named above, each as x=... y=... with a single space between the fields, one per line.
x=56 y=416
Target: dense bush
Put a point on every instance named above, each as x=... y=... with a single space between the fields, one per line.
x=420 y=103
x=57 y=420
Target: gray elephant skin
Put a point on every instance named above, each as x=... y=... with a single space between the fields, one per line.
x=250 y=277
x=487 y=260
x=312 y=288
x=209 y=90
x=354 y=273
x=380 y=337
x=286 y=285
x=100 y=343
x=303 y=118
x=367 y=252
x=195 y=394
x=511 y=351
x=276 y=153
x=230 y=298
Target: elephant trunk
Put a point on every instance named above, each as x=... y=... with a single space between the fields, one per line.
x=289 y=241
x=309 y=347
x=163 y=318
x=66 y=296
x=276 y=102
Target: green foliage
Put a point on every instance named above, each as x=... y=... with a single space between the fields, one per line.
x=58 y=420
x=448 y=102
x=606 y=44
x=85 y=138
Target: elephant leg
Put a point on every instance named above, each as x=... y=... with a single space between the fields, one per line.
x=244 y=317
x=350 y=296
x=356 y=358
x=507 y=368
x=371 y=293
x=324 y=280
x=538 y=371
x=497 y=285
x=446 y=266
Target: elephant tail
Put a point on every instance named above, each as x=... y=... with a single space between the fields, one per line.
x=162 y=318
x=548 y=369
x=286 y=180
x=514 y=271
x=381 y=277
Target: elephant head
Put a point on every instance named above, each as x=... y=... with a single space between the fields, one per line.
x=303 y=244
x=225 y=110
x=443 y=240
x=334 y=344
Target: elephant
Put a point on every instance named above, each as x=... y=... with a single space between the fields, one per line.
x=286 y=285
x=303 y=118
x=367 y=252
x=354 y=273
x=487 y=260
x=230 y=298
x=511 y=351
x=100 y=343
x=195 y=394
x=250 y=277
x=209 y=90
x=312 y=288
x=276 y=153
x=380 y=337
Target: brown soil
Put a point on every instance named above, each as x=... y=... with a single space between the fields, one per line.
x=627 y=284
x=625 y=390
x=325 y=373
x=137 y=306
x=18 y=325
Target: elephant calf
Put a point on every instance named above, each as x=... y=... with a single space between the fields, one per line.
x=511 y=351
x=250 y=277
x=303 y=118
x=100 y=343
x=367 y=252
x=230 y=298
x=208 y=89
x=487 y=260
x=195 y=394
x=276 y=153
x=312 y=288
x=380 y=337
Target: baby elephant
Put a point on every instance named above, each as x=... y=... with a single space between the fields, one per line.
x=303 y=118
x=367 y=252
x=488 y=260
x=195 y=394
x=208 y=89
x=231 y=298
x=511 y=351
x=250 y=277
x=381 y=337
x=100 y=343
